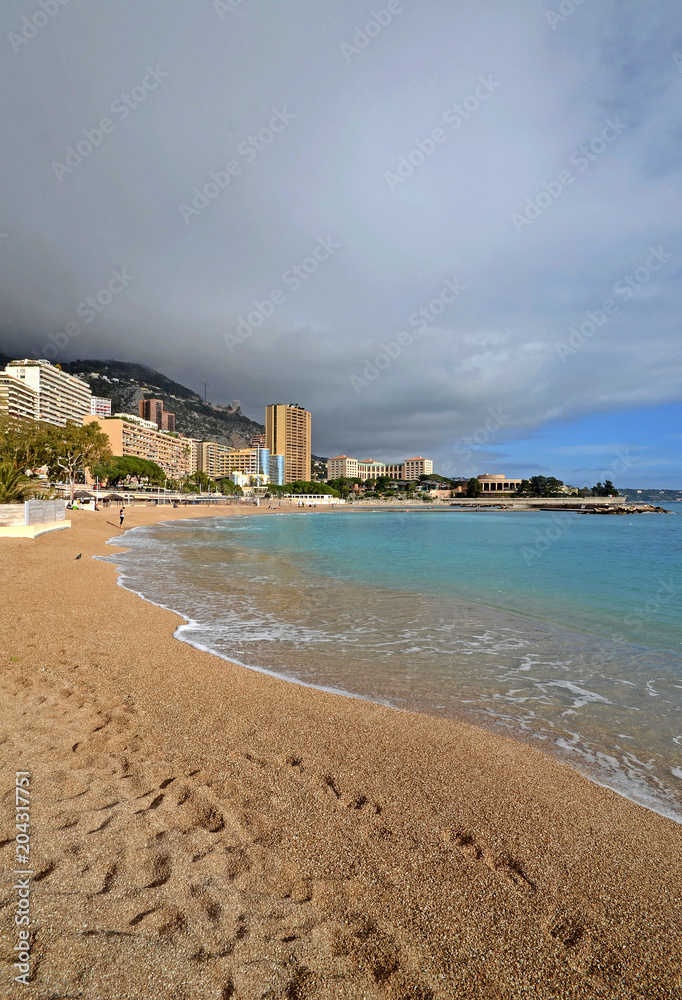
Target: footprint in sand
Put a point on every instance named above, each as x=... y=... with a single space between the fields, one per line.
x=507 y=868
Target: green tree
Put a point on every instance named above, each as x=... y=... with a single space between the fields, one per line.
x=344 y=485
x=436 y=478
x=605 y=490
x=15 y=486
x=540 y=486
x=474 y=487
x=73 y=448
x=198 y=482
x=229 y=489
x=122 y=468
x=22 y=443
x=302 y=487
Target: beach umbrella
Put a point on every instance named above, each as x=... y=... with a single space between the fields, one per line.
x=113 y=496
x=81 y=494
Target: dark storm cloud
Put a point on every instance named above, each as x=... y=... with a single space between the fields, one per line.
x=272 y=197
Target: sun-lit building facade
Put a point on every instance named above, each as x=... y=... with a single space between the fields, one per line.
x=288 y=433
x=367 y=469
x=17 y=400
x=61 y=397
x=128 y=436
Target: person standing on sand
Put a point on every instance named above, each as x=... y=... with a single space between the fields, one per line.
x=121 y=514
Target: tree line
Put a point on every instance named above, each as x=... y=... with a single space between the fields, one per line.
x=27 y=446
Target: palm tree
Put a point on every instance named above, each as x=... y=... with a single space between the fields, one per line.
x=15 y=486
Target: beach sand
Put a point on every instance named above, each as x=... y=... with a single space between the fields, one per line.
x=199 y=830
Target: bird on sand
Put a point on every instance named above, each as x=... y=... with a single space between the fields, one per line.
x=79 y=555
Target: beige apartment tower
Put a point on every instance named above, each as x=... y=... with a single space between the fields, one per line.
x=287 y=432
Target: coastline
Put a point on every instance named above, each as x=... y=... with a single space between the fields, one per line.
x=405 y=688
x=294 y=839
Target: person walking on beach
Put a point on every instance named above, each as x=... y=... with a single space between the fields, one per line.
x=121 y=514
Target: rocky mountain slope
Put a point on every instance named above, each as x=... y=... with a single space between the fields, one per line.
x=126 y=383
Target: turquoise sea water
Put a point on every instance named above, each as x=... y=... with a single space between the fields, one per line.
x=564 y=629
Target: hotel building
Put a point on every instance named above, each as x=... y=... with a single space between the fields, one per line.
x=342 y=467
x=416 y=467
x=351 y=468
x=129 y=435
x=17 y=400
x=288 y=433
x=61 y=397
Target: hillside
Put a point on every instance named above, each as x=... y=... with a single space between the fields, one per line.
x=651 y=496
x=126 y=383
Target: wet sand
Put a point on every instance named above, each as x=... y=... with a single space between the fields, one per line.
x=199 y=830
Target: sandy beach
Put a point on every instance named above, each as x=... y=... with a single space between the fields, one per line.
x=200 y=830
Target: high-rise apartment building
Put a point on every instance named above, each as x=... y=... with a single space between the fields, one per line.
x=100 y=406
x=194 y=447
x=61 y=397
x=17 y=400
x=152 y=409
x=213 y=459
x=287 y=432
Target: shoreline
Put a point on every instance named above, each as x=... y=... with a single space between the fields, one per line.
x=323 y=847
x=660 y=808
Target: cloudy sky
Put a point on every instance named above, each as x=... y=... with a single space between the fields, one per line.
x=446 y=227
